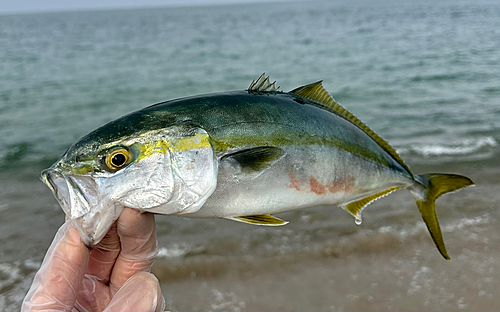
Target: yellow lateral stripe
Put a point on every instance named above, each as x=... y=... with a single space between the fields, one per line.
x=198 y=141
x=152 y=148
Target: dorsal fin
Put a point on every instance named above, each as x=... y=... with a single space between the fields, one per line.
x=315 y=92
x=263 y=84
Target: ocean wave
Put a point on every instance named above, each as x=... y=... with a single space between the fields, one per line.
x=436 y=77
x=177 y=251
x=466 y=147
x=15 y=280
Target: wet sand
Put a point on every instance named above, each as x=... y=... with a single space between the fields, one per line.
x=373 y=268
x=407 y=278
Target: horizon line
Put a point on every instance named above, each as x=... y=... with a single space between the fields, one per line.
x=152 y=6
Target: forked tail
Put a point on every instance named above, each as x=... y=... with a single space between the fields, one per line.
x=429 y=188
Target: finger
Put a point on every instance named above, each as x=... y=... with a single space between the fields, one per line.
x=141 y=292
x=94 y=293
x=103 y=256
x=137 y=234
x=56 y=284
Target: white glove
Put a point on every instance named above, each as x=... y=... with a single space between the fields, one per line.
x=113 y=276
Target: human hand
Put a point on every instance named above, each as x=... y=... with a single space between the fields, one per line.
x=113 y=276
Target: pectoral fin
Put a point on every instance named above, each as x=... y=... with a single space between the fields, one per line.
x=254 y=161
x=267 y=220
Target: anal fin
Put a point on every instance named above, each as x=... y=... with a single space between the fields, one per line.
x=356 y=207
x=267 y=220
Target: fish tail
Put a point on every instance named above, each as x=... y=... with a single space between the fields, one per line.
x=427 y=189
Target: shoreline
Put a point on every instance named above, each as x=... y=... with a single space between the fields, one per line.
x=378 y=268
x=412 y=276
x=383 y=272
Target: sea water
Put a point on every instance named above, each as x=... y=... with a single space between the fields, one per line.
x=424 y=75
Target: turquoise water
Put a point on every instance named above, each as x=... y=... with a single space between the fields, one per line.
x=420 y=74
x=424 y=75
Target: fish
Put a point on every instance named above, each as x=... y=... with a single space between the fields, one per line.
x=240 y=155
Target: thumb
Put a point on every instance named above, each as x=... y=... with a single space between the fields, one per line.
x=141 y=292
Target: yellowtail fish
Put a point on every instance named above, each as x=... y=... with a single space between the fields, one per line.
x=240 y=155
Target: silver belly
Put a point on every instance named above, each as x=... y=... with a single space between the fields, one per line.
x=305 y=177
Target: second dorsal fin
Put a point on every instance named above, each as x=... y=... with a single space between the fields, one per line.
x=315 y=92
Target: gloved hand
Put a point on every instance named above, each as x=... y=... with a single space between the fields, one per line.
x=113 y=276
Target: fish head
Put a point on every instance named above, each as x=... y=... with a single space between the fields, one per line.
x=168 y=171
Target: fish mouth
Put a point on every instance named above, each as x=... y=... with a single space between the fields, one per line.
x=81 y=200
x=67 y=192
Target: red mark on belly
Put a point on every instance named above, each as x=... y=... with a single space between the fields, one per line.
x=343 y=185
x=317 y=187
x=294 y=182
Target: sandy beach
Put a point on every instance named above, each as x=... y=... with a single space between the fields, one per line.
x=378 y=266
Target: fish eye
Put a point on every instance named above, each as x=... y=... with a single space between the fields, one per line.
x=118 y=158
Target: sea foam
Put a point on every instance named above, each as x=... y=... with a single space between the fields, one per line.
x=466 y=147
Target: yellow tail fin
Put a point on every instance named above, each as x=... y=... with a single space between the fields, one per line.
x=433 y=185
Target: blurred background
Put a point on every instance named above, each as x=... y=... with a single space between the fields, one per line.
x=424 y=75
